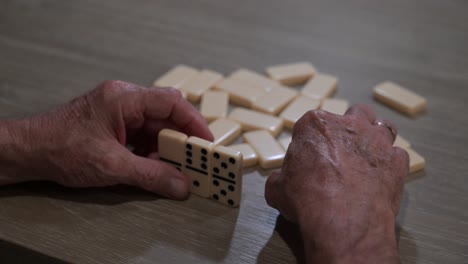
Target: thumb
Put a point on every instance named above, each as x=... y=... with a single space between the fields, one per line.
x=154 y=176
x=271 y=189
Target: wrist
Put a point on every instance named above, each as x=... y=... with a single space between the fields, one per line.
x=335 y=240
x=14 y=145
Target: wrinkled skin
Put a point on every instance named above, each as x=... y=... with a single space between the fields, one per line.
x=83 y=143
x=341 y=182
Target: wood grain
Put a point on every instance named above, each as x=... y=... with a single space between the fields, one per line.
x=52 y=51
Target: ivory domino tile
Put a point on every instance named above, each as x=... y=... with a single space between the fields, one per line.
x=240 y=93
x=320 y=86
x=253 y=120
x=284 y=142
x=176 y=76
x=224 y=131
x=399 y=98
x=274 y=101
x=297 y=109
x=417 y=162
x=226 y=171
x=269 y=151
x=335 y=106
x=401 y=142
x=214 y=104
x=250 y=157
x=171 y=147
x=254 y=79
x=200 y=83
x=291 y=73
x=197 y=165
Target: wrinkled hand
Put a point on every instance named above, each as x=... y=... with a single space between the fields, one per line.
x=341 y=182
x=83 y=143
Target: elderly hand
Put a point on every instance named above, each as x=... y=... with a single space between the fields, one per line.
x=341 y=182
x=83 y=143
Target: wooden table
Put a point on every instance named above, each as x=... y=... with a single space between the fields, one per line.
x=52 y=51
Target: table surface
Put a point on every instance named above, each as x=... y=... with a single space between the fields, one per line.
x=52 y=51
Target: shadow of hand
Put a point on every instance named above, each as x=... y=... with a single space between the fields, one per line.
x=290 y=235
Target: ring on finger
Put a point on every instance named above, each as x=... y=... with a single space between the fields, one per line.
x=390 y=128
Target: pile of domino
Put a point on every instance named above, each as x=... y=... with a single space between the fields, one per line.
x=262 y=106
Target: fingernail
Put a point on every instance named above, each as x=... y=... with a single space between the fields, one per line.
x=177 y=188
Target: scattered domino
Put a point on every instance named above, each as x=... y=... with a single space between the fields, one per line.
x=252 y=78
x=200 y=83
x=269 y=151
x=335 y=106
x=226 y=171
x=214 y=105
x=240 y=93
x=291 y=74
x=284 y=142
x=224 y=131
x=320 y=87
x=253 y=120
x=176 y=77
x=417 y=162
x=401 y=142
x=215 y=171
x=197 y=165
x=399 y=98
x=274 y=101
x=250 y=157
x=171 y=147
x=297 y=109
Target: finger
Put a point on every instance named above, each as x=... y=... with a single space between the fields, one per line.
x=146 y=141
x=153 y=175
x=153 y=155
x=362 y=111
x=152 y=129
x=401 y=161
x=401 y=166
x=386 y=128
x=167 y=103
x=271 y=189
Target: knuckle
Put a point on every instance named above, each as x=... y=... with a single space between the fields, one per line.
x=172 y=93
x=307 y=118
x=109 y=164
x=177 y=94
x=110 y=89
x=110 y=85
x=312 y=117
x=169 y=96
x=364 y=107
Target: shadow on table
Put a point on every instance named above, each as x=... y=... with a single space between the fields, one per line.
x=102 y=195
x=415 y=176
x=205 y=228
x=11 y=253
x=407 y=247
x=291 y=235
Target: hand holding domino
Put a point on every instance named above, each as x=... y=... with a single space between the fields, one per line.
x=214 y=171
